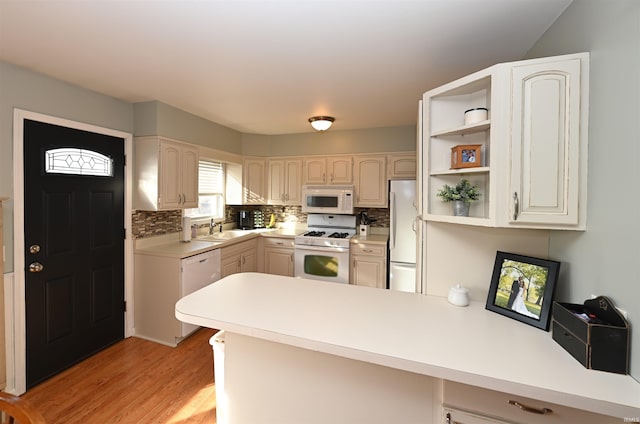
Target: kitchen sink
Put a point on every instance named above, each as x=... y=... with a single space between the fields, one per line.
x=225 y=235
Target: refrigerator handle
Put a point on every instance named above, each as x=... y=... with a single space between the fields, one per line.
x=392 y=218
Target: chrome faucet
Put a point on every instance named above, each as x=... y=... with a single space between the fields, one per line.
x=212 y=225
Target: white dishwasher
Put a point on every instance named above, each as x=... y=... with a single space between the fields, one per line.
x=197 y=272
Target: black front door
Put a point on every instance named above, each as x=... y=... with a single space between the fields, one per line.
x=74 y=245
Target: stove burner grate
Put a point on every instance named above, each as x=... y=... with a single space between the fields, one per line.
x=314 y=234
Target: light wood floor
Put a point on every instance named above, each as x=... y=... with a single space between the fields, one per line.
x=134 y=381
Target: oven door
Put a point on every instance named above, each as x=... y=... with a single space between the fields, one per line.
x=322 y=263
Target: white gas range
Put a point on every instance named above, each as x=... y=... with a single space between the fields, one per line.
x=322 y=252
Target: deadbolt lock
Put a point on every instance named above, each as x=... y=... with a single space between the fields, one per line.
x=34 y=248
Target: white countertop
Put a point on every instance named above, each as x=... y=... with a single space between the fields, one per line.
x=411 y=332
x=171 y=246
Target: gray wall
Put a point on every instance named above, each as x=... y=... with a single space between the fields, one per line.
x=389 y=139
x=603 y=260
x=157 y=118
x=34 y=92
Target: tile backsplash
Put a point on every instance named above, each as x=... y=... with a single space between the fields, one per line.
x=151 y=223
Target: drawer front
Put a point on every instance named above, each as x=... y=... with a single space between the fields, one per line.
x=452 y=416
x=278 y=242
x=576 y=347
x=515 y=409
x=370 y=249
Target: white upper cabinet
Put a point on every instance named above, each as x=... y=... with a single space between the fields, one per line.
x=340 y=170
x=166 y=174
x=532 y=170
x=284 y=181
x=401 y=165
x=546 y=149
x=314 y=170
x=370 y=181
x=253 y=181
x=328 y=170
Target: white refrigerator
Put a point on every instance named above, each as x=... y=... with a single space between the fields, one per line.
x=402 y=235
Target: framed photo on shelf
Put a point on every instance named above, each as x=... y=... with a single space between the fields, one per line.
x=466 y=156
x=522 y=288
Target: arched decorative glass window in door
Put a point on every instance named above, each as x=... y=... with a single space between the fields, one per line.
x=74 y=161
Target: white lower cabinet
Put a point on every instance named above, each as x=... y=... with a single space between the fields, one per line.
x=368 y=264
x=464 y=404
x=278 y=255
x=240 y=257
x=159 y=282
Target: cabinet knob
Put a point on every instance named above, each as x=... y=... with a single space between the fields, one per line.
x=516 y=206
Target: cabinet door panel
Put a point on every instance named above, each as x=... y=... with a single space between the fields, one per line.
x=230 y=266
x=545 y=131
x=253 y=181
x=368 y=271
x=189 y=178
x=279 y=262
x=370 y=182
x=293 y=184
x=340 y=170
x=169 y=180
x=276 y=181
x=315 y=171
x=249 y=261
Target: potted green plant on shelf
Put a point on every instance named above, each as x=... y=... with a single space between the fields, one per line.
x=462 y=195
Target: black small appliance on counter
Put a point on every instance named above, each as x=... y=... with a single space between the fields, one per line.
x=249 y=220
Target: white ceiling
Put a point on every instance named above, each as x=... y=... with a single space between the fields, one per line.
x=265 y=67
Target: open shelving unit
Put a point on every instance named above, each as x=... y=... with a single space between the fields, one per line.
x=531 y=151
x=444 y=129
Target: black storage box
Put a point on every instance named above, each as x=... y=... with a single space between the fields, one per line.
x=595 y=333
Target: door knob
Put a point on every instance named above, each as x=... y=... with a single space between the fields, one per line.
x=35 y=267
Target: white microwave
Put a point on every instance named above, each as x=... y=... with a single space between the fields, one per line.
x=327 y=199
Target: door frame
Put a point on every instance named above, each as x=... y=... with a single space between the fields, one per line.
x=14 y=304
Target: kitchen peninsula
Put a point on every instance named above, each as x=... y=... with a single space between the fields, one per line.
x=313 y=351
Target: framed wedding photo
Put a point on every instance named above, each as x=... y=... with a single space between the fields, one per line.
x=522 y=288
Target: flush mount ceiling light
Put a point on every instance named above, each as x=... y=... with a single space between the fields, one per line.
x=321 y=123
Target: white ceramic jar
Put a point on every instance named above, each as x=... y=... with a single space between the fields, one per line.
x=475 y=115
